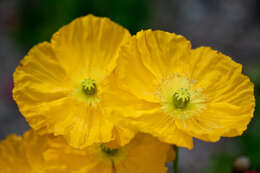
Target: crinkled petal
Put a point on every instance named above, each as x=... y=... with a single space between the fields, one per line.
x=147 y=58
x=163 y=127
x=25 y=155
x=88 y=46
x=98 y=130
x=151 y=157
x=118 y=101
x=12 y=156
x=220 y=119
x=39 y=78
x=122 y=136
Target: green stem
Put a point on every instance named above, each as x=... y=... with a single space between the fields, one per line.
x=175 y=162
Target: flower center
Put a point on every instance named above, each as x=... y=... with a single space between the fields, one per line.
x=181 y=98
x=89 y=87
x=109 y=151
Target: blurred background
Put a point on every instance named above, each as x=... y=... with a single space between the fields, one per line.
x=230 y=26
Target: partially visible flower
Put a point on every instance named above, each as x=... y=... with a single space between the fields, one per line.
x=175 y=93
x=60 y=85
x=241 y=164
x=49 y=154
x=25 y=155
x=144 y=154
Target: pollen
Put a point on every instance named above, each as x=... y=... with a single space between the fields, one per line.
x=89 y=86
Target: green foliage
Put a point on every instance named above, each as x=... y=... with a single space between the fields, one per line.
x=39 y=19
x=251 y=138
x=221 y=163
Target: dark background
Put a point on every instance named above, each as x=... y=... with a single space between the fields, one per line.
x=230 y=26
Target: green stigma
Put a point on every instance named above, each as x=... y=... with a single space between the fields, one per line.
x=181 y=98
x=89 y=86
x=108 y=151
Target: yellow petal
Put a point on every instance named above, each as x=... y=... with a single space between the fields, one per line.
x=117 y=100
x=84 y=127
x=11 y=155
x=163 y=127
x=39 y=77
x=122 y=136
x=25 y=155
x=145 y=154
x=146 y=59
x=205 y=62
x=220 y=119
x=88 y=46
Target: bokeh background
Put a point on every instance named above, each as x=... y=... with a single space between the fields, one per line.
x=230 y=26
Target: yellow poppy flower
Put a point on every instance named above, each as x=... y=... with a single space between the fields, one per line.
x=144 y=154
x=47 y=154
x=60 y=85
x=175 y=93
x=25 y=155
